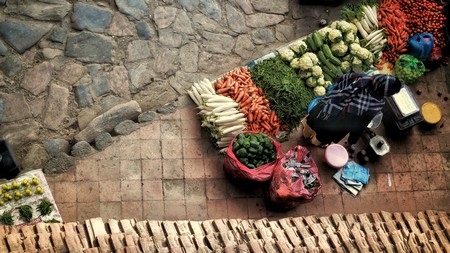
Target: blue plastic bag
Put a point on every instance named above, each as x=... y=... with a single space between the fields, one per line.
x=420 y=45
x=355 y=172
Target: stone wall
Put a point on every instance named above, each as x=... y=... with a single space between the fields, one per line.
x=71 y=70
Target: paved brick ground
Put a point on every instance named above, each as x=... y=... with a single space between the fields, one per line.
x=169 y=170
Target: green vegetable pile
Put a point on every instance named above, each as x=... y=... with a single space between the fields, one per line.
x=26 y=212
x=285 y=90
x=45 y=207
x=409 y=68
x=6 y=218
x=254 y=150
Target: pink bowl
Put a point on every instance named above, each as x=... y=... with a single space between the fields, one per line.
x=336 y=156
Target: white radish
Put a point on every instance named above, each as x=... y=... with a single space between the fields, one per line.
x=220 y=99
x=200 y=89
x=223 y=150
x=197 y=94
x=370 y=15
x=365 y=25
x=374 y=33
x=208 y=96
x=361 y=30
x=191 y=94
x=229 y=119
x=226 y=138
x=234 y=122
x=219 y=104
x=229 y=112
x=224 y=107
x=376 y=39
x=232 y=129
x=208 y=85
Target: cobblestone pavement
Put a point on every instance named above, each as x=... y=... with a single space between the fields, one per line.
x=66 y=68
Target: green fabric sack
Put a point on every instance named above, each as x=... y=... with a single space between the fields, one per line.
x=409 y=68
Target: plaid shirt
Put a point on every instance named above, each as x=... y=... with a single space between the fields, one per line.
x=359 y=94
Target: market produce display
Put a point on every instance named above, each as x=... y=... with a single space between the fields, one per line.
x=285 y=90
x=364 y=16
x=254 y=150
x=219 y=114
x=272 y=94
x=26 y=200
x=238 y=85
x=409 y=68
x=393 y=19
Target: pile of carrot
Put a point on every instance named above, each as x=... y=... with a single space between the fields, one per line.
x=393 y=20
x=238 y=85
x=425 y=16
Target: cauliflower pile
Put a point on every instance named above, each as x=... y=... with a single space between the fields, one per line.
x=354 y=57
x=341 y=36
x=309 y=69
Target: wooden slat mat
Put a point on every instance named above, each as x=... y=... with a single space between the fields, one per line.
x=428 y=231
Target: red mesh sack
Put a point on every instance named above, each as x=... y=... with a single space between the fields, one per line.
x=238 y=171
x=295 y=180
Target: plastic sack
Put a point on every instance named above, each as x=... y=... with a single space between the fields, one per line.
x=409 y=68
x=435 y=59
x=237 y=171
x=355 y=172
x=420 y=45
x=295 y=180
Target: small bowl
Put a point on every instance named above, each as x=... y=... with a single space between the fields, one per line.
x=336 y=156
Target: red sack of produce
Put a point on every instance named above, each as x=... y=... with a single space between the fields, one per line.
x=436 y=58
x=295 y=180
x=252 y=156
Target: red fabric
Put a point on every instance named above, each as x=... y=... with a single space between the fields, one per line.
x=285 y=194
x=238 y=171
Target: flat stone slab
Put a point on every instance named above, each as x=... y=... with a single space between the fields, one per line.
x=136 y=9
x=57 y=105
x=22 y=35
x=14 y=107
x=41 y=10
x=108 y=120
x=90 y=47
x=90 y=17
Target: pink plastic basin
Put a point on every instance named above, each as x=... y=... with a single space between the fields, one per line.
x=336 y=156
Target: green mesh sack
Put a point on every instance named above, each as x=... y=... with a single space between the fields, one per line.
x=409 y=68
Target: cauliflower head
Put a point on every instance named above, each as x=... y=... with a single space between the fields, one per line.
x=321 y=80
x=299 y=46
x=311 y=82
x=295 y=63
x=344 y=26
x=350 y=37
x=324 y=32
x=339 y=48
x=320 y=91
x=334 y=36
x=327 y=84
x=312 y=56
x=316 y=71
x=346 y=66
x=363 y=53
x=357 y=65
x=286 y=54
x=304 y=74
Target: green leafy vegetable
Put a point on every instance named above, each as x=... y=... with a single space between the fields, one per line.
x=26 y=212
x=45 y=207
x=285 y=90
x=7 y=218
